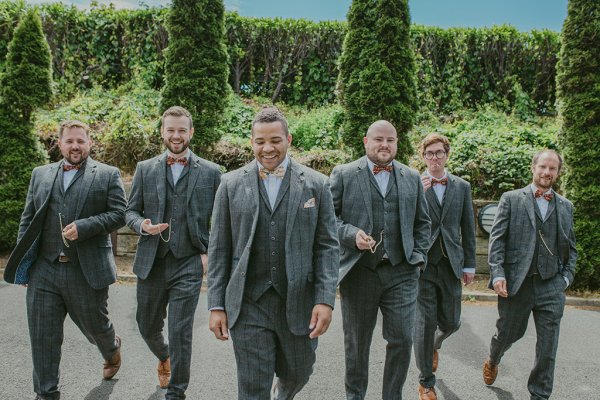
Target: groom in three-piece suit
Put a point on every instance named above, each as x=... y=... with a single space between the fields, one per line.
x=384 y=229
x=450 y=259
x=64 y=255
x=170 y=208
x=532 y=259
x=274 y=262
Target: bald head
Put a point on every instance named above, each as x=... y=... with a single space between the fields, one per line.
x=381 y=126
x=381 y=142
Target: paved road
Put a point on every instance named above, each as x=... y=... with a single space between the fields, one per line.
x=213 y=374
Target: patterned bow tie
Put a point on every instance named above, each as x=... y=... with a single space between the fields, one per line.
x=278 y=172
x=547 y=196
x=172 y=160
x=69 y=167
x=443 y=181
x=377 y=169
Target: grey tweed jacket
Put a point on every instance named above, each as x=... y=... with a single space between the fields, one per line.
x=148 y=199
x=352 y=199
x=311 y=245
x=100 y=210
x=513 y=238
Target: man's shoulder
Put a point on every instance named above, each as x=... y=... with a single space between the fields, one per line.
x=406 y=170
x=350 y=166
x=102 y=166
x=563 y=199
x=459 y=181
x=309 y=173
x=206 y=163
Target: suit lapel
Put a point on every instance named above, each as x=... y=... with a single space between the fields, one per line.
x=448 y=196
x=89 y=174
x=296 y=188
x=195 y=172
x=159 y=173
x=251 y=190
x=527 y=196
x=402 y=189
x=365 y=187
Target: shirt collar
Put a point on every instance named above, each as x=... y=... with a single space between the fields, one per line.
x=535 y=188
x=185 y=154
x=443 y=176
x=371 y=164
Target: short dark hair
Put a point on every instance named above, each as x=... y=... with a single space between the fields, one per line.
x=176 y=111
x=537 y=156
x=73 y=123
x=270 y=114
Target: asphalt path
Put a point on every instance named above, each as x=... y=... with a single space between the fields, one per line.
x=213 y=366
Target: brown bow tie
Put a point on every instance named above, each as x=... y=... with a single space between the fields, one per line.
x=443 y=181
x=278 y=172
x=547 y=196
x=172 y=160
x=69 y=167
x=377 y=169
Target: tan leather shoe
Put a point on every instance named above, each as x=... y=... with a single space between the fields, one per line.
x=111 y=367
x=427 y=393
x=436 y=358
x=164 y=373
x=490 y=372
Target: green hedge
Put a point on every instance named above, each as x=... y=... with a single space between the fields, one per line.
x=295 y=61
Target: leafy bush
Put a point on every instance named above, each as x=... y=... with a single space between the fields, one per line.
x=490 y=149
x=317 y=128
x=579 y=96
x=377 y=72
x=196 y=66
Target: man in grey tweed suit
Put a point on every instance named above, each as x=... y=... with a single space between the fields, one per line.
x=384 y=229
x=170 y=208
x=64 y=255
x=274 y=264
x=532 y=259
x=450 y=259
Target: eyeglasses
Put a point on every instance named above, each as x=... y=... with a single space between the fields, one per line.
x=430 y=154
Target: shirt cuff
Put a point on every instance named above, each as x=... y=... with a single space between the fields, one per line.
x=469 y=270
x=566 y=281
x=217 y=309
x=500 y=278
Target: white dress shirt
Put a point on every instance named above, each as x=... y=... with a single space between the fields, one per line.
x=382 y=178
x=177 y=168
x=273 y=183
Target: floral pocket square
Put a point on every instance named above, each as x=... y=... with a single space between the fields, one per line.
x=310 y=203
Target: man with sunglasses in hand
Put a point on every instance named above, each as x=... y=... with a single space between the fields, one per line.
x=383 y=228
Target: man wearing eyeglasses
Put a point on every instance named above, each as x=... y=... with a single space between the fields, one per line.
x=450 y=259
x=383 y=228
x=64 y=255
x=170 y=207
x=532 y=259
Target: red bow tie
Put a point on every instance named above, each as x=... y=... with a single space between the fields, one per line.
x=547 y=196
x=443 y=181
x=69 y=167
x=172 y=160
x=377 y=169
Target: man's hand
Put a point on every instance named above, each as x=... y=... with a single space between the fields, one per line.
x=151 y=229
x=70 y=232
x=218 y=324
x=426 y=182
x=364 y=241
x=500 y=288
x=468 y=278
x=320 y=320
x=204 y=259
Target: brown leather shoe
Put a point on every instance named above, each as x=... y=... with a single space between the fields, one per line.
x=164 y=373
x=427 y=393
x=490 y=372
x=436 y=358
x=111 y=367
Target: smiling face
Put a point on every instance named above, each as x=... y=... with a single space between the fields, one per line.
x=176 y=133
x=270 y=143
x=545 y=170
x=381 y=143
x=74 y=144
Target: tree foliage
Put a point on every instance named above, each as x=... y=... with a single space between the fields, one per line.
x=196 y=65
x=579 y=95
x=25 y=85
x=377 y=71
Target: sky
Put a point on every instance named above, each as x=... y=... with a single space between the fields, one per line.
x=522 y=14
